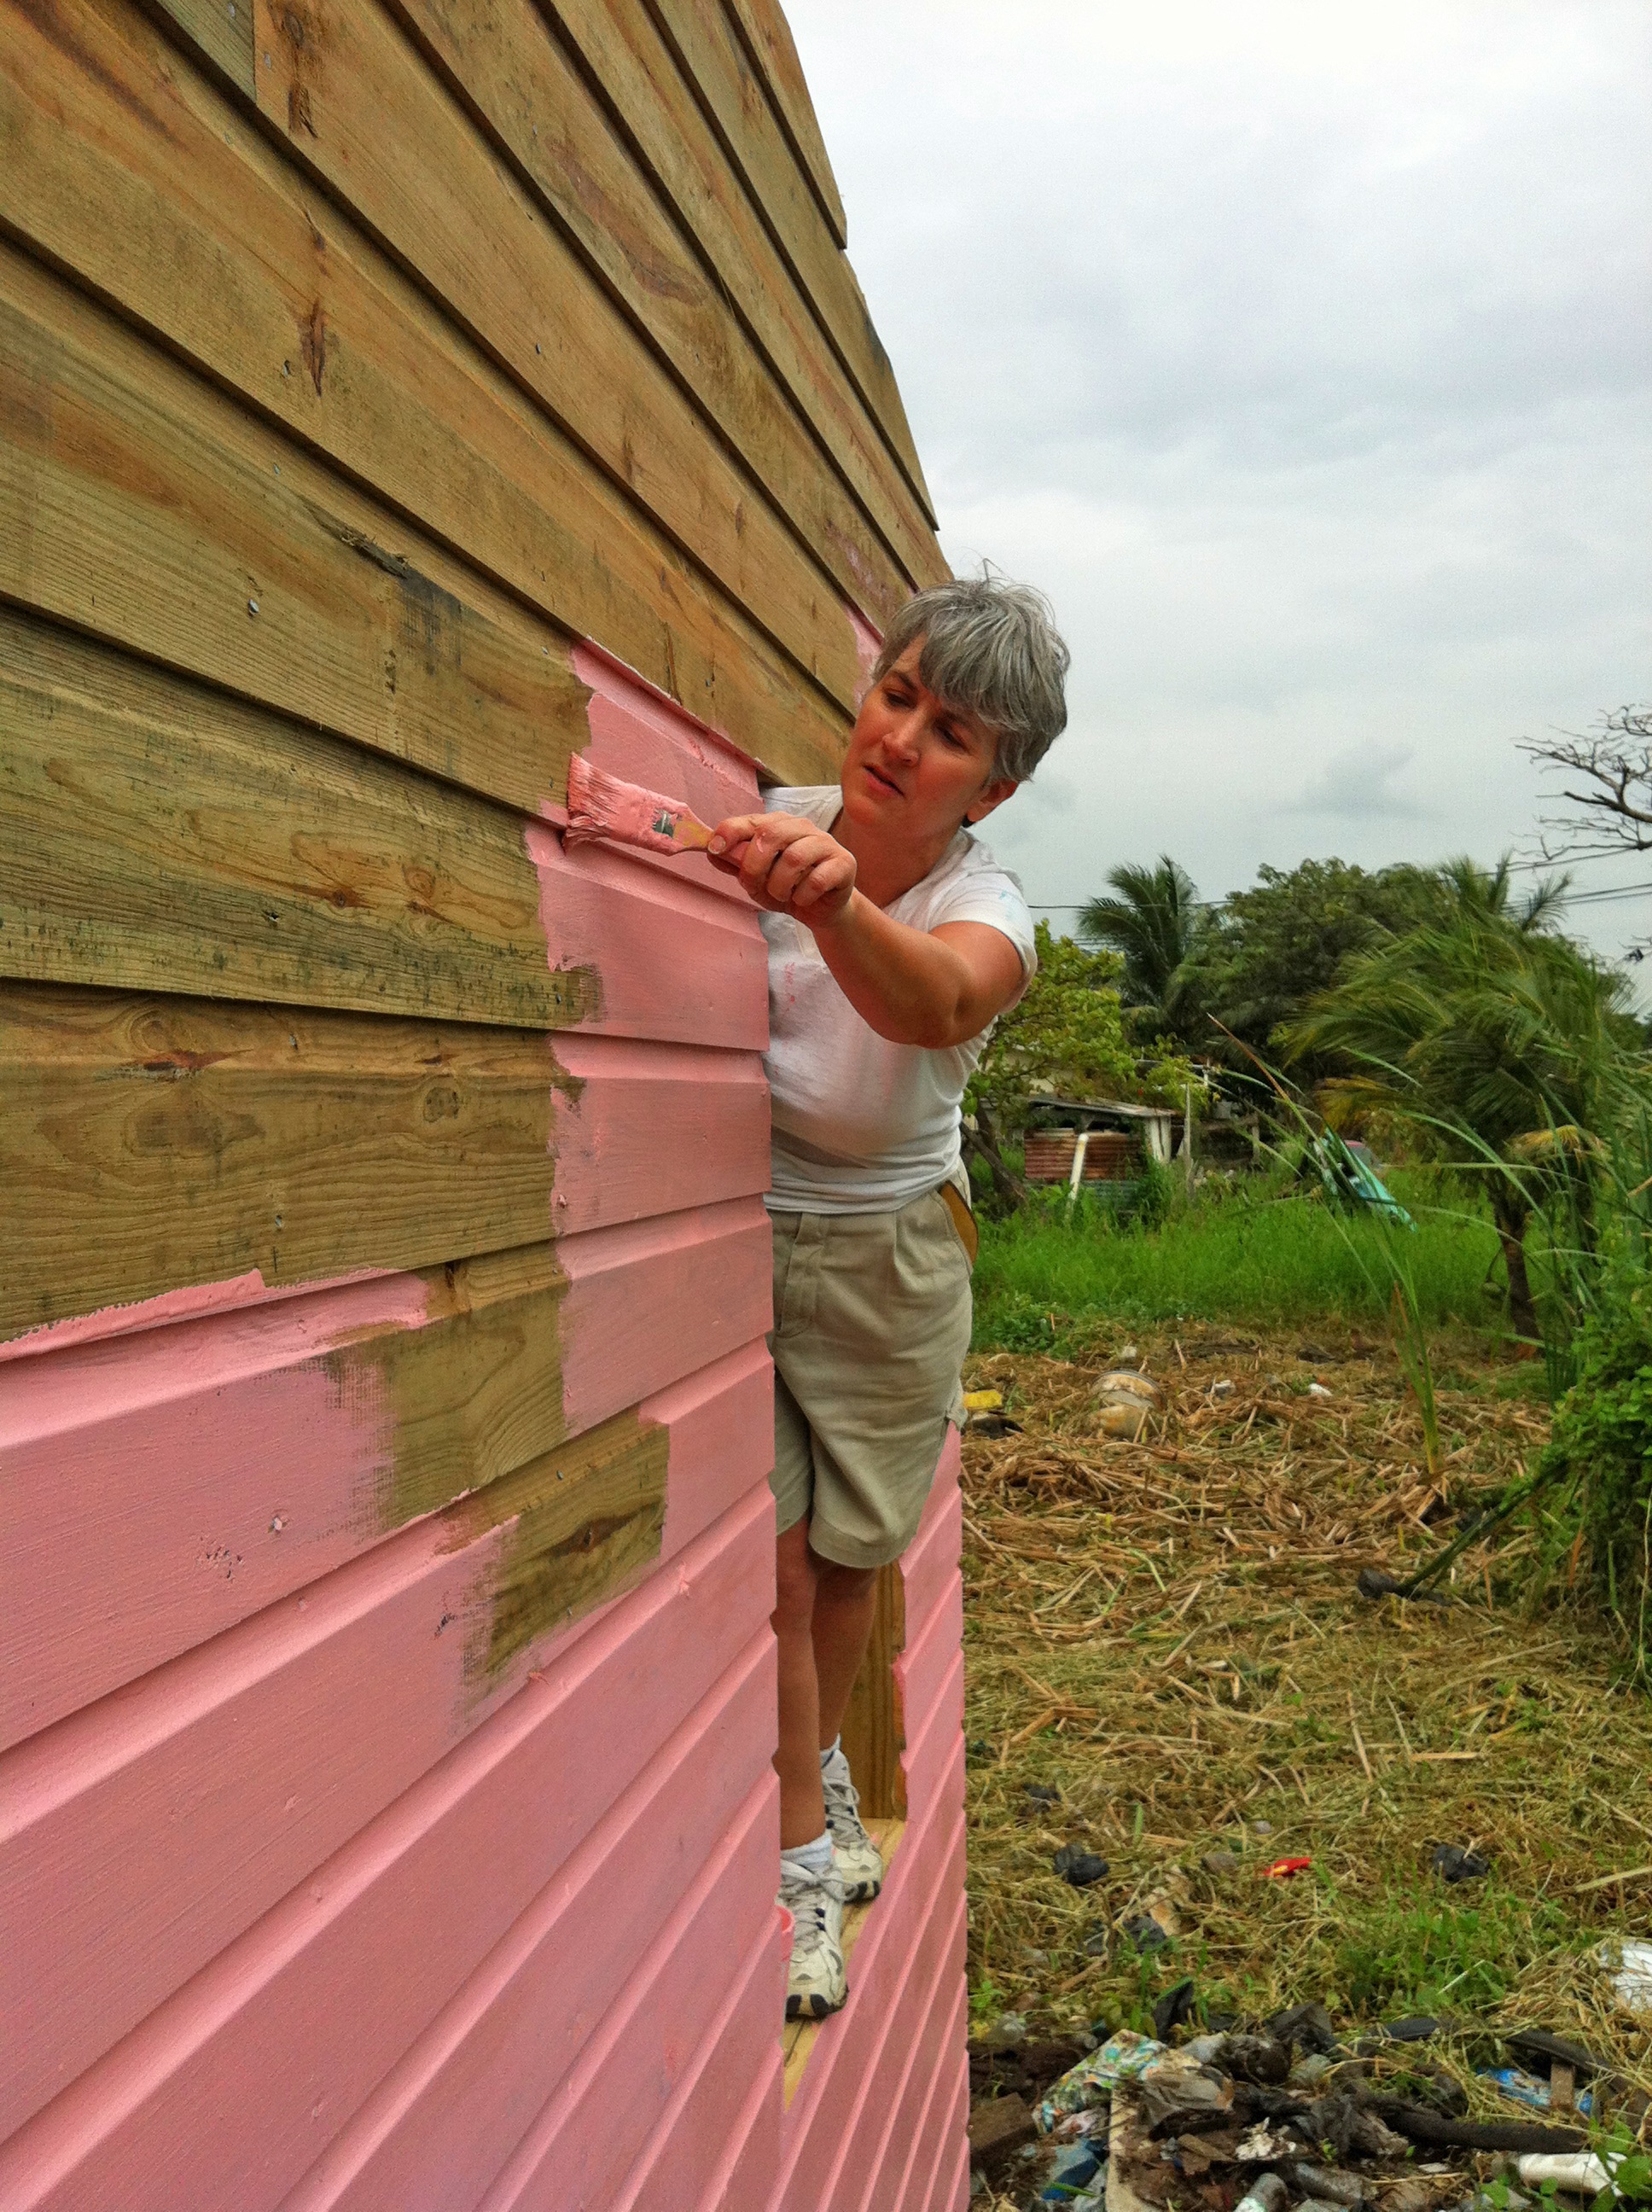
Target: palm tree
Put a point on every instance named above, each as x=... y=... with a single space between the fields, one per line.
x=1492 y=1036
x=1154 y=921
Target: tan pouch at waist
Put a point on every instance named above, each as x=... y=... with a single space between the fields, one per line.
x=962 y=1220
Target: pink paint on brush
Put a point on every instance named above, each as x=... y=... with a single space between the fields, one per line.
x=601 y=805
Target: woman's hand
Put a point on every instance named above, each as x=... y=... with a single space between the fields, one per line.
x=785 y=866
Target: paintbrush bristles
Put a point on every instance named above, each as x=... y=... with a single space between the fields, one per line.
x=601 y=805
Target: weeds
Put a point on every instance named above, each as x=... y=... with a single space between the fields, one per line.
x=1263 y=1258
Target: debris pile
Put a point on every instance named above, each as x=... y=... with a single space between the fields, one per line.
x=1239 y=2117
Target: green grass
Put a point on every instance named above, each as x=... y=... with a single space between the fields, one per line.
x=1260 y=1259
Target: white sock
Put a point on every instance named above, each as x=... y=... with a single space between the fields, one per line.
x=834 y=1760
x=809 y=1858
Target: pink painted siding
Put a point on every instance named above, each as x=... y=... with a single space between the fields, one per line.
x=308 y=1912
x=877 y=2123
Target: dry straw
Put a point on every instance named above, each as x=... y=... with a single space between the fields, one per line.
x=1168 y=1632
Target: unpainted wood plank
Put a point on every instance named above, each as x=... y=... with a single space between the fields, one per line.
x=714 y=60
x=626 y=54
x=801 y=2037
x=773 y=53
x=874 y=1734
x=223 y=29
x=147 y=510
x=155 y=1142
x=135 y=173
x=506 y=65
x=157 y=837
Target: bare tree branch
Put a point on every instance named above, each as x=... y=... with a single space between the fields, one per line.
x=1610 y=774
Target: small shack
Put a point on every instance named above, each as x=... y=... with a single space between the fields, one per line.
x=398 y=396
x=1095 y=1141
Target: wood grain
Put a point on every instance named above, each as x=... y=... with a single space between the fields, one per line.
x=140 y=177
x=155 y=835
x=505 y=65
x=637 y=71
x=140 y=506
x=154 y=1142
x=874 y=1734
x=774 y=55
x=715 y=63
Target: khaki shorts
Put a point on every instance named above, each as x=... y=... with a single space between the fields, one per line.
x=871 y=1324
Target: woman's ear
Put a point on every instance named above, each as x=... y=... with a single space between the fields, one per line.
x=994 y=794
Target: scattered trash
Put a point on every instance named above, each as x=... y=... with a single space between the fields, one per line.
x=1538 y=2043
x=1319 y=1390
x=1407 y=2195
x=1089 y=2084
x=1454 y=1862
x=1308 y=2025
x=1416 y=2029
x=1264 y=2059
x=1580 y=2172
x=1077 y=1866
x=1629 y=1965
x=1076 y=2167
x=1007 y=2032
x=984 y=1414
x=1307 y=2071
x=1180 y=2095
x=1126 y=1400
x=1284 y=1869
x=1268 y=2193
x=997 y=2129
x=1173 y=2011
x=1223 y=1389
x=1531 y=2089
x=1330 y=2185
x=1126 y=1353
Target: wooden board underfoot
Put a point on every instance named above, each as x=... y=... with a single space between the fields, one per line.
x=800 y=2036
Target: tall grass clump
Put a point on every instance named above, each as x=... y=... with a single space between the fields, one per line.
x=1239 y=1256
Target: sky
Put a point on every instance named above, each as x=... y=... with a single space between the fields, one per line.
x=1303 y=353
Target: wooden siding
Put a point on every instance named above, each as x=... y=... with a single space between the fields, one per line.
x=876 y=2122
x=396 y=398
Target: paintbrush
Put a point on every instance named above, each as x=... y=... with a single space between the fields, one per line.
x=600 y=806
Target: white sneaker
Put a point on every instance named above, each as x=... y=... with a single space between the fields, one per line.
x=859 y=1862
x=815 y=1983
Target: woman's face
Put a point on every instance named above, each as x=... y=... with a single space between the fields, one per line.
x=916 y=768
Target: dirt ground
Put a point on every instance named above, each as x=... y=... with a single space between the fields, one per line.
x=1166 y=1634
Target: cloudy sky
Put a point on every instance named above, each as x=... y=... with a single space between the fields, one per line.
x=1302 y=353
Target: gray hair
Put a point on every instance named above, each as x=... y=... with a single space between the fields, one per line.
x=991 y=649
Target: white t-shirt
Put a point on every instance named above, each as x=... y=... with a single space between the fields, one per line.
x=860 y=1125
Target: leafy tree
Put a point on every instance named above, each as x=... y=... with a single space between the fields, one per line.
x=1066 y=1036
x=1274 y=947
x=1152 y=922
x=1493 y=1038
